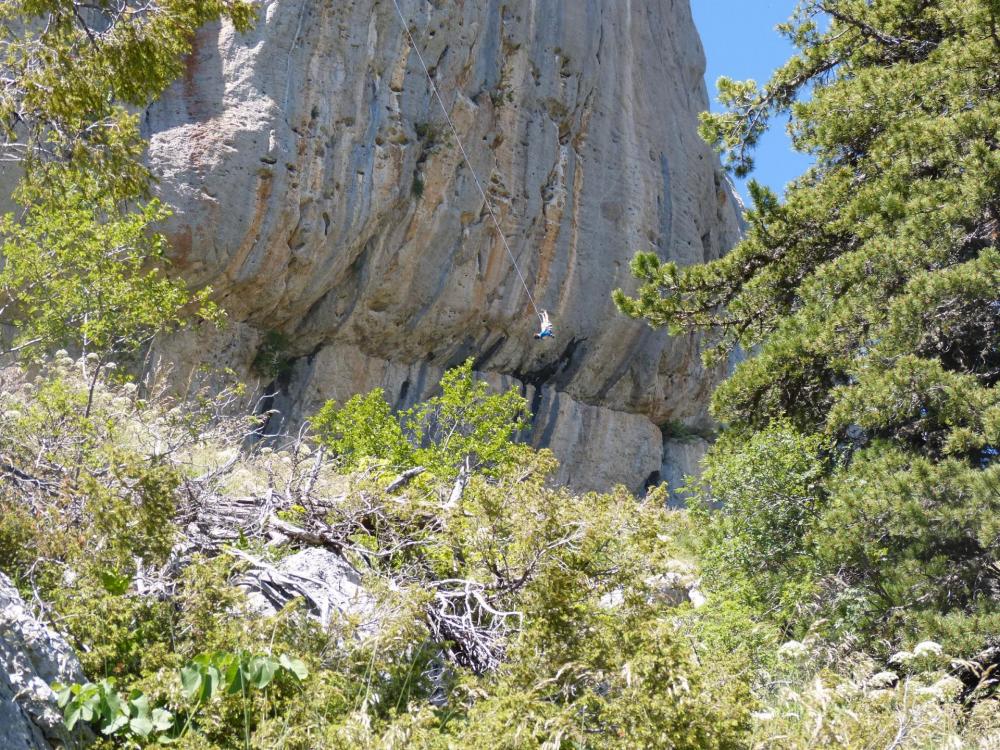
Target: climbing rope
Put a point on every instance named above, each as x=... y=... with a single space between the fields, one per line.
x=465 y=156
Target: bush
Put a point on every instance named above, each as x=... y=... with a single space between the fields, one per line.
x=756 y=506
x=463 y=427
x=509 y=613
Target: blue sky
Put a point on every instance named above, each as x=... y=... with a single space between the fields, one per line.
x=740 y=42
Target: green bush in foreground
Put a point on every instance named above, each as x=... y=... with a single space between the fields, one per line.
x=203 y=680
x=515 y=615
x=83 y=266
x=463 y=427
x=859 y=471
x=510 y=614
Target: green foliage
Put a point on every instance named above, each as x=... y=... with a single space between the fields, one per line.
x=90 y=486
x=73 y=69
x=512 y=614
x=207 y=678
x=756 y=508
x=516 y=582
x=272 y=360
x=868 y=299
x=636 y=688
x=820 y=698
x=364 y=428
x=83 y=267
x=928 y=536
x=465 y=426
x=675 y=429
x=535 y=615
x=540 y=612
x=100 y=704
x=80 y=280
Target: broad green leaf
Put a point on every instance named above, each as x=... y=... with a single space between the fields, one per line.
x=262 y=670
x=295 y=666
x=162 y=719
x=114 y=704
x=191 y=679
x=140 y=702
x=119 y=721
x=236 y=679
x=72 y=716
x=212 y=683
x=141 y=725
x=63 y=694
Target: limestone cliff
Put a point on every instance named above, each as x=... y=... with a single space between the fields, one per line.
x=318 y=191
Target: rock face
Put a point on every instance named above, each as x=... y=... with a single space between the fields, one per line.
x=681 y=457
x=678 y=585
x=328 y=585
x=318 y=189
x=31 y=658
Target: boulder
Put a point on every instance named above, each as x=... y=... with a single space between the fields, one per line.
x=32 y=657
x=326 y=583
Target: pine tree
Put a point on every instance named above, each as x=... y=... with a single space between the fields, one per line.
x=869 y=301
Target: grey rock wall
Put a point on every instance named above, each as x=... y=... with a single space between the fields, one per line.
x=318 y=190
x=681 y=458
x=32 y=657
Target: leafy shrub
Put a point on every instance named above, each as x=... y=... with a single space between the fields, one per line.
x=867 y=299
x=756 y=506
x=272 y=360
x=509 y=612
x=817 y=698
x=464 y=426
x=206 y=678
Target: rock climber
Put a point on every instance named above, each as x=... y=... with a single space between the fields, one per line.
x=546 y=327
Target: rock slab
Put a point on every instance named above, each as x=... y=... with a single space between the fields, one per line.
x=32 y=657
x=326 y=583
